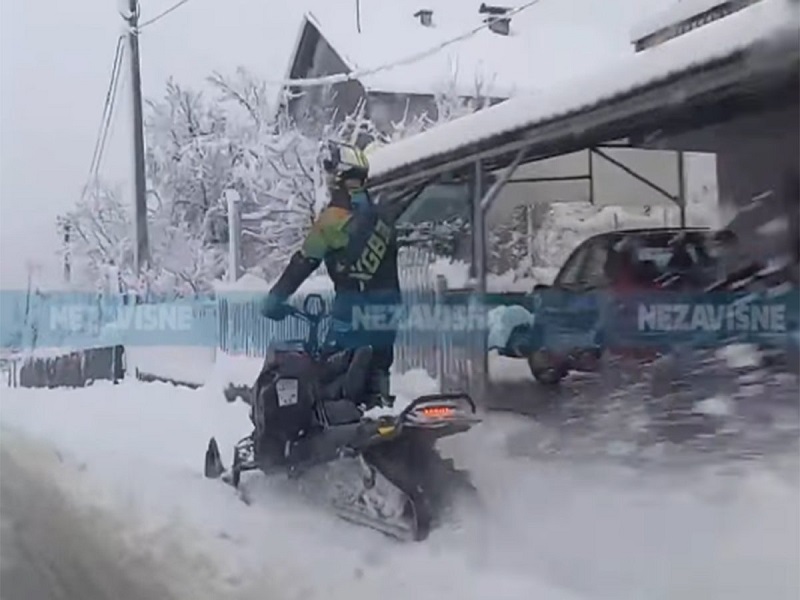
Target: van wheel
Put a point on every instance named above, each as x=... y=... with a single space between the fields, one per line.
x=545 y=370
x=547 y=375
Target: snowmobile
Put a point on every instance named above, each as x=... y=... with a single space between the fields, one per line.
x=310 y=423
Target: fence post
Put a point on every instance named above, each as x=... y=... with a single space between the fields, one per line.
x=439 y=293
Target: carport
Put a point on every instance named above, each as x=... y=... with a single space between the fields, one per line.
x=718 y=89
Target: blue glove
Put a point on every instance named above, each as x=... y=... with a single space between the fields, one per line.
x=275 y=308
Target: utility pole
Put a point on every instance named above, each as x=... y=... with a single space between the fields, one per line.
x=140 y=182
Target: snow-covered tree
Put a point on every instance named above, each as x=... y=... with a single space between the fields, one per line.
x=200 y=145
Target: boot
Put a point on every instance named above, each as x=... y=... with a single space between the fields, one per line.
x=377 y=390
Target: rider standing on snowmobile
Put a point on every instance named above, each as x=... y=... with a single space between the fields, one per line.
x=358 y=244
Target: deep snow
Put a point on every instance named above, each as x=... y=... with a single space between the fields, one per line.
x=547 y=529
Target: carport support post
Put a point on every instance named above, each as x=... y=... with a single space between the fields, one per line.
x=441 y=291
x=682 y=187
x=480 y=358
x=481 y=203
x=478 y=230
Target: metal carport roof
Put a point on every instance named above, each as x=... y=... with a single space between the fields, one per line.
x=747 y=61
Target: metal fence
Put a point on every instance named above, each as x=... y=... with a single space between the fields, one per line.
x=243 y=331
x=234 y=323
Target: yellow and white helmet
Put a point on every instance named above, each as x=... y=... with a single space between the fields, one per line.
x=344 y=161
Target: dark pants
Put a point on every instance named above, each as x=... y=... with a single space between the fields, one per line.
x=341 y=337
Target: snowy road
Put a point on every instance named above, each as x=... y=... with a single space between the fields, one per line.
x=552 y=527
x=48 y=549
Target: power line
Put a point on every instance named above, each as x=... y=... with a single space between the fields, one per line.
x=110 y=118
x=161 y=15
x=104 y=117
x=108 y=107
x=360 y=73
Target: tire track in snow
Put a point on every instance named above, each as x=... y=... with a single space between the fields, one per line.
x=49 y=550
x=54 y=548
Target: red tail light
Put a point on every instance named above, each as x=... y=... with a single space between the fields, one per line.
x=438 y=412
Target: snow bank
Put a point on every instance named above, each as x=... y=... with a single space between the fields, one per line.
x=548 y=529
x=233 y=370
x=145 y=462
x=185 y=364
x=45 y=352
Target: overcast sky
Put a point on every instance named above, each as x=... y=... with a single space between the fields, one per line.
x=56 y=59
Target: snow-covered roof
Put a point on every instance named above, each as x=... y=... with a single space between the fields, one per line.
x=540 y=52
x=677 y=12
x=717 y=41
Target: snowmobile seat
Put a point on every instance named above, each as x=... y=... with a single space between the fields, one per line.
x=341 y=412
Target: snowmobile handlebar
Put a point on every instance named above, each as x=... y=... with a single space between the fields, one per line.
x=312 y=312
x=298 y=313
x=308 y=313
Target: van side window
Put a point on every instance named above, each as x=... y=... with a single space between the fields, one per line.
x=569 y=275
x=593 y=274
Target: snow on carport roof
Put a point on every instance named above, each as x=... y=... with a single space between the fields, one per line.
x=704 y=46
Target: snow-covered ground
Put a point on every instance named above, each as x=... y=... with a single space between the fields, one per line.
x=547 y=530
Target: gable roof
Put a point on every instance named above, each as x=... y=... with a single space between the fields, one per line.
x=309 y=21
x=550 y=42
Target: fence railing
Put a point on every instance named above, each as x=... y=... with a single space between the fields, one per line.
x=243 y=331
x=233 y=323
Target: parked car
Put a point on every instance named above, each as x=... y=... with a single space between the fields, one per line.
x=567 y=330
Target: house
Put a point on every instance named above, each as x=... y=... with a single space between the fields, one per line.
x=474 y=50
x=461 y=47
